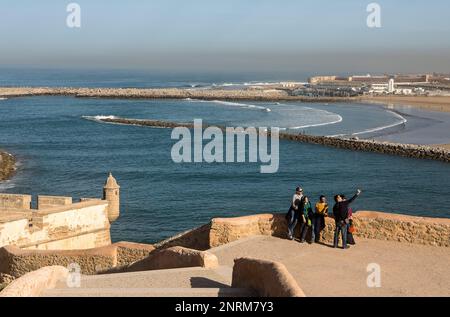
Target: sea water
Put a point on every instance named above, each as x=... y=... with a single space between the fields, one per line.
x=63 y=150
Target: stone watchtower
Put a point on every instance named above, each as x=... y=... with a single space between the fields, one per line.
x=111 y=193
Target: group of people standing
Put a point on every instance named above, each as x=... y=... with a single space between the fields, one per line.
x=313 y=220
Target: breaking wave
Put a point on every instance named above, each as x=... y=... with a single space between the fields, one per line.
x=232 y=104
x=333 y=118
x=6 y=185
x=402 y=121
x=337 y=119
x=98 y=118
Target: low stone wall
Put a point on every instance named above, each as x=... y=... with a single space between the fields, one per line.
x=44 y=202
x=130 y=252
x=265 y=278
x=34 y=283
x=197 y=239
x=17 y=262
x=370 y=225
x=401 y=228
x=171 y=258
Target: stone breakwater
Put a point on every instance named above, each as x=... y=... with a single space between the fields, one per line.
x=7 y=166
x=167 y=93
x=405 y=150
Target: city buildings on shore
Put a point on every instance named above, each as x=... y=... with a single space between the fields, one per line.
x=398 y=84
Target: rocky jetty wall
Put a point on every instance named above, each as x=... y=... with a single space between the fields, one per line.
x=405 y=150
x=168 y=93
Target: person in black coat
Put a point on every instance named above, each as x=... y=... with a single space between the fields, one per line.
x=340 y=213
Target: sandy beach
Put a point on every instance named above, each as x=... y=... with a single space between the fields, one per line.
x=434 y=103
x=426 y=104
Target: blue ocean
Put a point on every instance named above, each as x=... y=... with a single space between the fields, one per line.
x=63 y=149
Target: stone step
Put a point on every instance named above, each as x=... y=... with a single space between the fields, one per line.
x=148 y=292
x=196 y=277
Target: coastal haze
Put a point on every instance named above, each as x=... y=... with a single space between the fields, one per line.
x=238 y=37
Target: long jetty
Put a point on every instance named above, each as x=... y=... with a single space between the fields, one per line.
x=168 y=93
x=398 y=149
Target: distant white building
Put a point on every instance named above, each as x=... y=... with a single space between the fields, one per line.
x=404 y=91
x=391 y=86
x=379 y=89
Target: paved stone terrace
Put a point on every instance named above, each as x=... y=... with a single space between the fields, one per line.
x=321 y=271
x=406 y=269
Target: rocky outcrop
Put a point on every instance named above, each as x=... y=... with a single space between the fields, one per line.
x=7 y=166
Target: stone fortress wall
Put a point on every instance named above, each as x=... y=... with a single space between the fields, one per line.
x=58 y=223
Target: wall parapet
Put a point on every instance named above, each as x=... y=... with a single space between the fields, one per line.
x=172 y=258
x=35 y=283
x=58 y=222
x=77 y=226
x=369 y=224
x=15 y=202
x=52 y=201
x=266 y=278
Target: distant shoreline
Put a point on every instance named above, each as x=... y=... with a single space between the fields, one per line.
x=434 y=103
x=167 y=93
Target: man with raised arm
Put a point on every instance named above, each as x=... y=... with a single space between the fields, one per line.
x=340 y=213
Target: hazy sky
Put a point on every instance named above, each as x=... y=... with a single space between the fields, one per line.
x=228 y=35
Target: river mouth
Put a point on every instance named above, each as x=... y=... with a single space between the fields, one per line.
x=64 y=154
